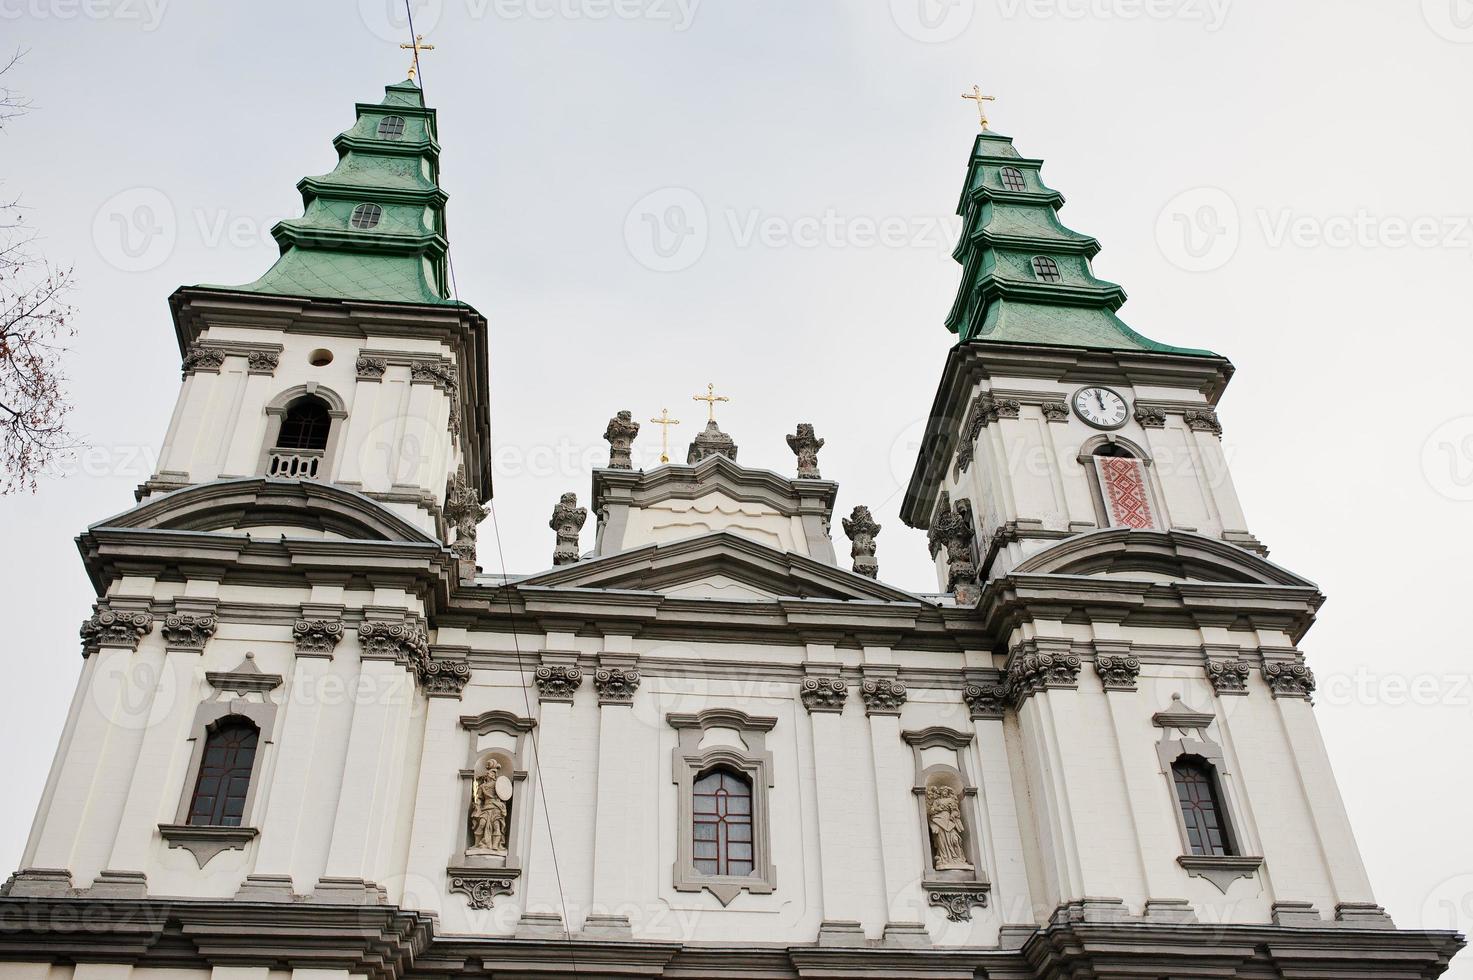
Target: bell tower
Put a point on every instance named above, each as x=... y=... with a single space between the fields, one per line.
x=350 y=362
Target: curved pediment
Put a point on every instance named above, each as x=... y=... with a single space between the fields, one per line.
x=1173 y=555
x=271 y=507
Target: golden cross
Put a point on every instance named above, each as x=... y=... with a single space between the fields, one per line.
x=666 y=422
x=976 y=96
x=417 y=47
x=711 y=398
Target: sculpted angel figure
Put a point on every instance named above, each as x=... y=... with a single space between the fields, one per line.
x=488 y=812
x=948 y=832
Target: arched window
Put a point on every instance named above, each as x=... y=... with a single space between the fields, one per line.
x=1201 y=806
x=1113 y=450
x=391 y=127
x=366 y=216
x=1012 y=179
x=722 y=824
x=1122 y=486
x=1046 y=269
x=306 y=425
x=224 y=774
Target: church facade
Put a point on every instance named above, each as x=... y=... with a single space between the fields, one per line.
x=312 y=741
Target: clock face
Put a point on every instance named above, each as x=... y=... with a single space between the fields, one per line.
x=1101 y=407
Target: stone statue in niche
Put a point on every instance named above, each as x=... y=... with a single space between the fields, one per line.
x=490 y=795
x=948 y=832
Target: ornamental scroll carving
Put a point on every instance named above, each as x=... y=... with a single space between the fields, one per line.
x=620 y=434
x=1118 y=672
x=185 y=631
x=557 y=683
x=953 y=530
x=444 y=678
x=1288 y=679
x=1031 y=673
x=1228 y=676
x=463 y=510
x=567 y=521
x=316 y=637
x=405 y=643
x=882 y=696
x=1203 y=420
x=986 y=700
x=109 y=628
x=824 y=694
x=860 y=528
x=805 y=445
x=616 y=685
x=986 y=410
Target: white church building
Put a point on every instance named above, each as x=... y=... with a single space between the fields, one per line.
x=312 y=741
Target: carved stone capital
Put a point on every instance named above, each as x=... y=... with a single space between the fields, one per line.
x=1229 y=676
x=882 y=696
x=957 y=901
x=1032 y=672
x=405 y=643
x=1288 y=678
x=438 y=371
x=444 y=678
x=481 y=886
x=805 y=445
x=263 y=361
x=1055 y=411
x=615 y=685
x=186 y=631
x=203 y=357
x=106 y=628
x=621 y=434
x=316 y=637
x=1203 y=420
x=371 y=368
x=822 y=695
x=1150 y=416
x=986 y=410
x=986 y=700
x=1118 y=671
x=557 y=684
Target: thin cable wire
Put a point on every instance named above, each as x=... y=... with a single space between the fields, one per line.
x=538 y=788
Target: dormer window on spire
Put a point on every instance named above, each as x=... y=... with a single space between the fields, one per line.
x=366 y=216
x=391 y=128
x=1012 y=179
x=1046 y=269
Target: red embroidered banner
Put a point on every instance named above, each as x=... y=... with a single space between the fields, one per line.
x=1127 y=497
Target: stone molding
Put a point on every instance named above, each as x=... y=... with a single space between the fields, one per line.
x=316 y=637
x=557 y=683
x=444 y=677
x=957 y=901
x=188 y=631
x=1229 y=676
x=1118 y=672
x=824 y=695
x=114 y=628
x=246 y=678
x=205 y=842
x=482 y=886
x=1289 y=679
x=209 y=356
x=882 y=696
x=371 y=368
x=986 y=699
x=1055 y=411
x=1150 y=416
x=1202 y=420
x=1221 y=870
x=616 y=685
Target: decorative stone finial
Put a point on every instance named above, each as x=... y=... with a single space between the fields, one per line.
x=711 y=442
x=463 y=510
x=805 y=445
x=953 y=530
x=621 y=434
x=861 y=529
x=567 y=520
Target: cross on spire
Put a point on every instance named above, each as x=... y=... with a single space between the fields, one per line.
x=417 y=47
x=711 y=398
x=976 y=96
x=665 y=422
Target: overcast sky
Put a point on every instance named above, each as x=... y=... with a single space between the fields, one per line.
x=1286 y=183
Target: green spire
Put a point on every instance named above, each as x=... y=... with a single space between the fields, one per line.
x=1027 y=278
x=374 y=228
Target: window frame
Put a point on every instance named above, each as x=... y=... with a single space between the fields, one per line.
x=394 y=122
x=361 y=212
x=724 y=818
x=1208 y=775
x=1046 y=269
x=1087 y=453
x=219 y=729
x=1005 y=176
x=324 y=420
x=276 y=410
x=753 y=762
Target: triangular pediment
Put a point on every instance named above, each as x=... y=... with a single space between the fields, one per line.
x=721 y=566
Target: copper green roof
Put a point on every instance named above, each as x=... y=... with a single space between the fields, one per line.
x=395 y=167
x=1003 y=298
